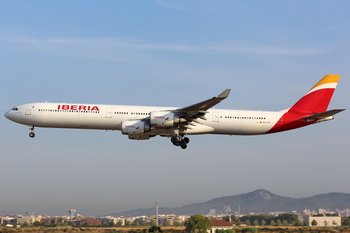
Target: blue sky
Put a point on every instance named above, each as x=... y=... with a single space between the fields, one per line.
x=169 y=53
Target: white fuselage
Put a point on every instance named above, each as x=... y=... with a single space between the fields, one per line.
x=144 y=122
x=110 y=117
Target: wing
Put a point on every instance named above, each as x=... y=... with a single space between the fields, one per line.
x=192 y=112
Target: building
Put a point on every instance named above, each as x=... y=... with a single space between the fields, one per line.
x=21 y=220
x=219 y=224
x=91 y=221
x=120 y=221
x=49 y=221
x=330 y=221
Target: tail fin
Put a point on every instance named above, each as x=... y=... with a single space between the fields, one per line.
x=318 y=97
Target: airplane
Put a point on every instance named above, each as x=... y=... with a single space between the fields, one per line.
x=145 y=122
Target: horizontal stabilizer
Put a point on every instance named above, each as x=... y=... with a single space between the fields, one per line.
x=323 y=115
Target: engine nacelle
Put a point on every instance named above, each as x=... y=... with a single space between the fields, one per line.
x=139 y=136
x=163 y=119
x=135 y=127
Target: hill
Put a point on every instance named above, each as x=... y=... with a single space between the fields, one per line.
x=259 y=201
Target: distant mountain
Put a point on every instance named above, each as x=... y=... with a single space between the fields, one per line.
x=259 y=201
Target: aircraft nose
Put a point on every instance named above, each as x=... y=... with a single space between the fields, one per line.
x=7 y=114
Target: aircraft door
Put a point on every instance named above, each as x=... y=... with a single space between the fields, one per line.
x=109 y=113
x=215 y=117
x=29 y=110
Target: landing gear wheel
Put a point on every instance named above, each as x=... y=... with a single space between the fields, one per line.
x=31 y=134
x=175 y=141
x=186 y=139
x=183 y=144
x=180 y=140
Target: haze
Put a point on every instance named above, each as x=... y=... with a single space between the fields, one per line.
x=169 y=53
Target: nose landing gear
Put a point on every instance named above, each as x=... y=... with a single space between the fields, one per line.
x=180 y=141
x=31 y=134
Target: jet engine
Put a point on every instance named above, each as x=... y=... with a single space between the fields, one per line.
x=139 y=136
x=163 y=119
x=135 y=127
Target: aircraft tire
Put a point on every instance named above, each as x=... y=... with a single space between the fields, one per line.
x=187 y=140
x=31 y=134
x=174 y=140
x=183 y=144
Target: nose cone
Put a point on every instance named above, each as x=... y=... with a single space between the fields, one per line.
x=14 y=115
x=10 y=115
x=7 y=115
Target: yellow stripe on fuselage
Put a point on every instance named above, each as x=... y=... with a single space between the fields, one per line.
x=329 y=78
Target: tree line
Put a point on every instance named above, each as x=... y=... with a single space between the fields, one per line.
x=263 y=219
x=60 y=222
x=286 y=219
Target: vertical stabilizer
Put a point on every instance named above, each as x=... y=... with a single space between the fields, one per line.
x=318 y=97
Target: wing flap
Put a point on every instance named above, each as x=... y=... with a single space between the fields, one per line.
x=191 y=113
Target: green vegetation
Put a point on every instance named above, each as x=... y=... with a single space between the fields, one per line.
x=327 y=214
x=197 y=224
x=345 y=221
x=250 y=229
x=286 y=219
x=155 y=229
x=269 y=229
x=225 y=231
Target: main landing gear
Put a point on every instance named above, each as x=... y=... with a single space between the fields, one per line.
x=31 y=134
x=180 y=140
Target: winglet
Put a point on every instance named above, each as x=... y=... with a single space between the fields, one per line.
x=224 y=94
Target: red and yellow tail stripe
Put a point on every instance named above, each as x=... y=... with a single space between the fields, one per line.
x=328 y=81
x=315 y=101
x=318 y=97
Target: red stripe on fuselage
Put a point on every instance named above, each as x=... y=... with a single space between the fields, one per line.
x=310 y=104
x=290 y=121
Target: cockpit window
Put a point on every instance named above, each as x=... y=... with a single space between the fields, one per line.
x=14 y=109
